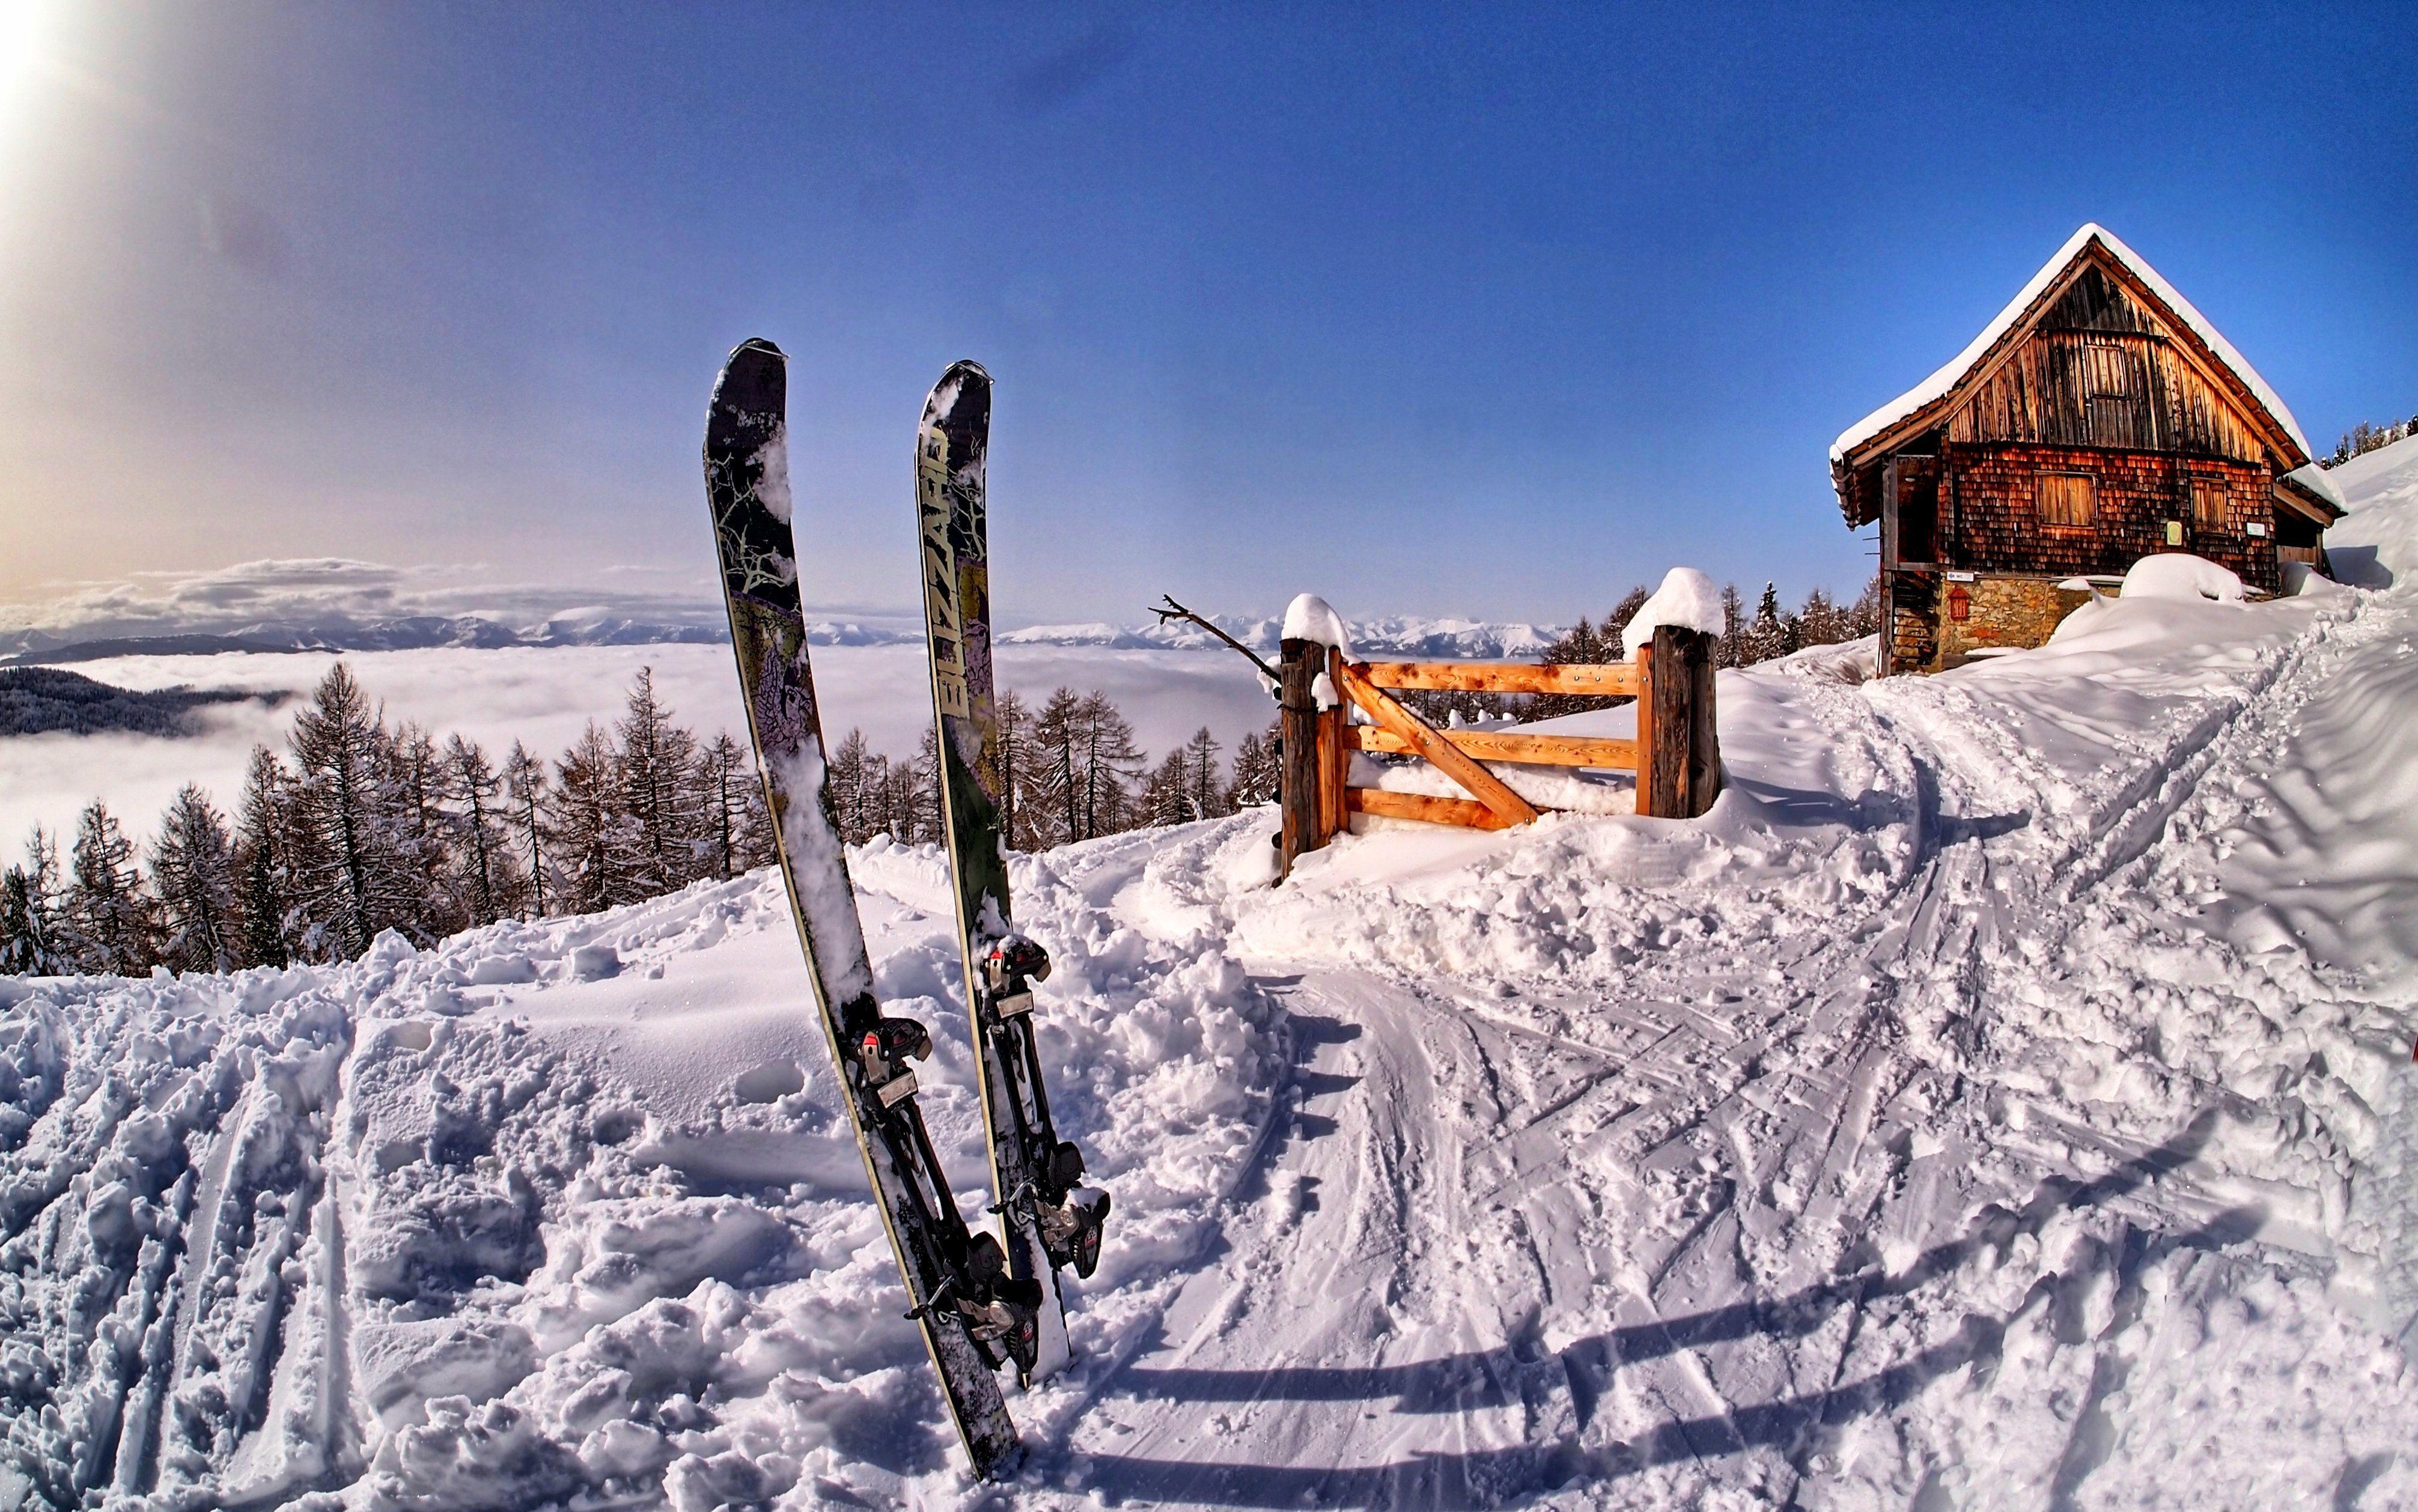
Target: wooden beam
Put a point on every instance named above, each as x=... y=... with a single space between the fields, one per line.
x=1483 y=785
x=1461 y=811
x=1594 y=752
x=1611 y=679
x=1334 y=755
x=1645 y=722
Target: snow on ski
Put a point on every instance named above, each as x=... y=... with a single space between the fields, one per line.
x=1051 y=1218
x=747 y=488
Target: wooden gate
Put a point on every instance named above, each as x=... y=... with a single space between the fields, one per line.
x=1675 y=754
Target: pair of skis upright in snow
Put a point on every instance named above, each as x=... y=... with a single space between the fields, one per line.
x=982 y=1304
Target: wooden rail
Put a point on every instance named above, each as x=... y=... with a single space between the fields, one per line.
x=1675 y=755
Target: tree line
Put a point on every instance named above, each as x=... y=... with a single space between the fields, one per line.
x=363 y=826
x=2366 y=438
x=1745 y=639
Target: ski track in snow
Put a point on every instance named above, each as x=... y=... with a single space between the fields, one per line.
x=1970 y=1112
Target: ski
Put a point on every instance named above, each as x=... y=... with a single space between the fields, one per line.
x=1051 y=1218
x=974 y=1314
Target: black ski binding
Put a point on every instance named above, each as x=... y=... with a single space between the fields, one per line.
x=883 y=1053
x=1012 y=967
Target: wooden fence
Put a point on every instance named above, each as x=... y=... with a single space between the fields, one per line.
x=1675 y=754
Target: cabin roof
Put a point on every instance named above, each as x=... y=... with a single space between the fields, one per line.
x=1938 y=393
x=2312 y=483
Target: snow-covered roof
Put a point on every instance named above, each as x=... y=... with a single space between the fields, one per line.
x=1947 y=378
x=2314 y=480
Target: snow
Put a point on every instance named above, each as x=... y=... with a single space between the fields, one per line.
x=2001 y=1098
x=1310 y=617
x=1947 y=377
x=2178 y=575
x=1686 y=598
x=2314 y=478
x=2376 y=543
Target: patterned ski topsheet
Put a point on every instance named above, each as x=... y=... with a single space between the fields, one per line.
x=952 y=523
x=747 y=489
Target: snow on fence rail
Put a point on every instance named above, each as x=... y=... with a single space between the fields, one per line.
x=1675 y=754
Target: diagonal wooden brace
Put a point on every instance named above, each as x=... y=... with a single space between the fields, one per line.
x=1423 y=737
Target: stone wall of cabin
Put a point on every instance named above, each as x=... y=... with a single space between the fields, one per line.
x=1994 y=520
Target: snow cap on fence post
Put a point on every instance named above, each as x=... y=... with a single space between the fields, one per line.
x=1310 y=617
x=1686 y=598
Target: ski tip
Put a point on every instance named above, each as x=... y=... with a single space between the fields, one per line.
x=963 y=378
x=755 y=380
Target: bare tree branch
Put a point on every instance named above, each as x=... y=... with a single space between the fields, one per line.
x=1173 y=610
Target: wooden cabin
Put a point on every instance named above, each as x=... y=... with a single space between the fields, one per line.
x=2099 y=419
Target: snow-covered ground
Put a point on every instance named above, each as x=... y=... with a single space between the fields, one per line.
x=2002 y=1099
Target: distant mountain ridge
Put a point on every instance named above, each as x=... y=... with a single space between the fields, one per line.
x=1393 y=637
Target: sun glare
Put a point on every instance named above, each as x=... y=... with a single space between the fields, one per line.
x=19 y=28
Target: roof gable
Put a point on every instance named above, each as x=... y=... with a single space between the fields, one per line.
x=2095 y=282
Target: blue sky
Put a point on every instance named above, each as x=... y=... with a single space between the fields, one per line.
x=1433 y=311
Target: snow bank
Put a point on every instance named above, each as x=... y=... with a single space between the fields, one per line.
x=1686 y=598
x=1310 y=617
x=2177 y=575
x=484 y=1227
x=2376 y=543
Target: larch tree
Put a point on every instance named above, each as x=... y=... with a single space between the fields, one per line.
x=1257 y=771
x=353 y=881
x=652 y=758
x=262 y=860
x=524 y=792
x=487 y=879
x=1205 y=793
x=595 y=842
x=112 y=921
x=193 y=871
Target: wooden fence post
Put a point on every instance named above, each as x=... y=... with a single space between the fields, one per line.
x=1300 y=665
x=1679 y=752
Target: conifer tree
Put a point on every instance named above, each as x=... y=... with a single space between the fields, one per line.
x=1167 y=795
x=260 y=846
x=525 y=792
x=353 y=879
x=851 y=790
x=931 y=818
x=1204 y=794
x=652 y=758
x=489 y=881
x=28 y=944
x=1058 y=817
x=1257 y=772
x=113 y=922
x=724 y=775
x=1011 y=752
x=1111 y=761
x=1731 y=649
x=595 y=842
x=33 y=937
x=192 y=868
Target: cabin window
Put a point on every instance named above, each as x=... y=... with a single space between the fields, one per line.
x=2207 y=503
x=2067 y=497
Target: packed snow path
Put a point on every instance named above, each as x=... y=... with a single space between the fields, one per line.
x=2001 y=1100
x=1813 y=1181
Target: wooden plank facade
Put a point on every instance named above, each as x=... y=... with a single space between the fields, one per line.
x=2099 y=427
